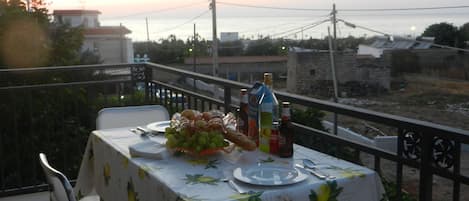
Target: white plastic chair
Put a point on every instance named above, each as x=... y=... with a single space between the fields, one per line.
x=118 y=117
x=59 y=185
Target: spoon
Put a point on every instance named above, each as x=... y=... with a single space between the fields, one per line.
x=311 y=165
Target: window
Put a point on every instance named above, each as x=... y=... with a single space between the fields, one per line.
x=86 y=22
x=68 y=21
x=312 y=72
x=96 y=22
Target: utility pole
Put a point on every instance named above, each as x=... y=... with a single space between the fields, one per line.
x=334 y=23
x=213 y=6
x=334 y=77
x=302 y=33
x=194 y=51
x=121 y=31
x=333 y=50
x=28 y=5
x=148 y=36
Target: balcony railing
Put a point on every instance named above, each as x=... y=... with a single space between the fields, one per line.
x=53 y=109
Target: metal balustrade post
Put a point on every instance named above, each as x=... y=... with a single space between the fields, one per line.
x=148 y=78
x=227 y=98
x=457 y=171
x=400 y=146
x=378 y=165
x=426 y=175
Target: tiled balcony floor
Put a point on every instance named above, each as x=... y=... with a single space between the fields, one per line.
x=42 y=196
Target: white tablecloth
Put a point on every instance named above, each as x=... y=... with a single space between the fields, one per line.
x=109 y=169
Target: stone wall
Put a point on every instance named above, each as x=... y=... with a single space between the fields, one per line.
x=245 y=72
x=310 y=72
x=441 y=63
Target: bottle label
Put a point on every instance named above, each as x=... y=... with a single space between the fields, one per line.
x=286 y=113
x=253 y=111
x=274 y=141
x=265 y=130
x=282 y=141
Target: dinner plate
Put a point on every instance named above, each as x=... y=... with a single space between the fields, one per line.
x=269 y=175
x=158 y=127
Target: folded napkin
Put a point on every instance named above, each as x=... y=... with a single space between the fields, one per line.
x=148 y=149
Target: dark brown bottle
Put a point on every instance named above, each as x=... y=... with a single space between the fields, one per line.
x=285 y=137
x=243 y=112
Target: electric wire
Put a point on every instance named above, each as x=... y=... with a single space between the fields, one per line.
x=403 y=9
x=369 y=14
x=156 y=11
x=251 y=31
x=346 y=10
x=269 y=7
x=401 y=37
x=299 y=28
x=303 y=28
x=361 y=27
x=182 y=24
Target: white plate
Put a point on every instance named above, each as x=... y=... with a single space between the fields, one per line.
x=269 y=175
x=158 y=127
x=147 y=149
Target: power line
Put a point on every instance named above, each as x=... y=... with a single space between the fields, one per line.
x=306 y=28
x=368 y=14
x=157 y=11
x=188 y=21
x=302 y=28
x=248 y=31
x=345 y=10
x=405 y=38
x=270 y=7
x=362 y=27
x=403 y=9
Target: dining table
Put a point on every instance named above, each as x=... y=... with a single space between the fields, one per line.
x=115 y=173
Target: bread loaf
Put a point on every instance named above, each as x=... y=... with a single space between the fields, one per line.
x=240 y=140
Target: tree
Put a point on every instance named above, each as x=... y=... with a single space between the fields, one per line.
x=89 y=57
x=18 y=26
x=444 y=33
x=42 y=42
x=65 y=45
x=232 y=48
x=464 y=35
x=265 y=47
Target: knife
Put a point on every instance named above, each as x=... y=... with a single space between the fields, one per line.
x=318 y=175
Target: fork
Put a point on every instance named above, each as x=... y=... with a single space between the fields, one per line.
x=313 y=172
x=234 y=186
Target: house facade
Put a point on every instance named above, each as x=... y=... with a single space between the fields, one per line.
x=109 y=42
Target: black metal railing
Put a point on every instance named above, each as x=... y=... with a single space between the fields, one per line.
x=432 y=149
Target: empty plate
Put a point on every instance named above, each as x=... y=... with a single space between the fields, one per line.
x=269 y=174
x=158 y=127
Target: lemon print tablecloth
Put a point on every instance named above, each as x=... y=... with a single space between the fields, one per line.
x=109 y=169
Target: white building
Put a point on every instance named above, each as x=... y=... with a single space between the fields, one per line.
x=229 y=36
x=110 y=42
x=384 y=43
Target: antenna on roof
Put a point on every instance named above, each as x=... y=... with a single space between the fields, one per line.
x=83 y=4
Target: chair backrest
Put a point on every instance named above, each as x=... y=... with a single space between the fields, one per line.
x=117 y=117
x=60 y=187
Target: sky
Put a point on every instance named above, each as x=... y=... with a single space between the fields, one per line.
x=113 y=8
x=174 y=16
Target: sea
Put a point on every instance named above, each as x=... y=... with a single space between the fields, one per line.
x=291 y=27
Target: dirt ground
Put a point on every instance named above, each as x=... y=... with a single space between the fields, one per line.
x=444 y=102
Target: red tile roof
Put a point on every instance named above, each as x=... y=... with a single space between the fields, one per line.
x=238 y=59
x=107 y=30
x=76 y=12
